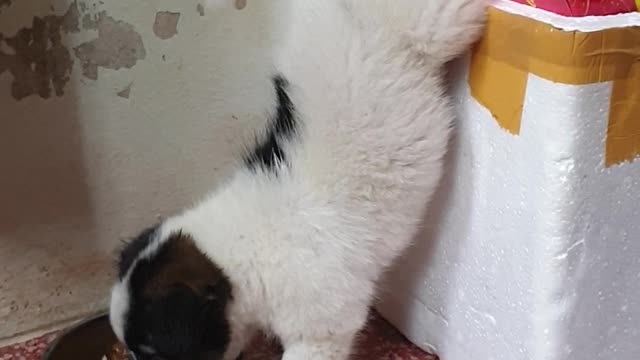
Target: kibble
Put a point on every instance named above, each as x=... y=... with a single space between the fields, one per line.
x=118 y=352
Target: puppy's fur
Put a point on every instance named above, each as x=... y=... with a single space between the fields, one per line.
x=331 y=194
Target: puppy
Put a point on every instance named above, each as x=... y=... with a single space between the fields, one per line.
x=329 y=196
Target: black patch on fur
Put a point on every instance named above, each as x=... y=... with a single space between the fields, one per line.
x=133 y=248
x=268 y=152
x=174 y=308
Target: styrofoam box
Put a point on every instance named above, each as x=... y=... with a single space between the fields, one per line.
x=531 y=249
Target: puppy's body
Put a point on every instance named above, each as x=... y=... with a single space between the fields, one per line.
x=331 y=195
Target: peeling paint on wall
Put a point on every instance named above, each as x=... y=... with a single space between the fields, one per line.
x=118 y=46
x=126 y=92
x=41 y=64
x=36 y=57
x=241 y=4
x=166 y=24
x=89 y=22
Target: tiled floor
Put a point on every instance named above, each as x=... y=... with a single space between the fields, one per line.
x=379 y=341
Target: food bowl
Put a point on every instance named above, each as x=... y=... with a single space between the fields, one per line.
x=89 y=340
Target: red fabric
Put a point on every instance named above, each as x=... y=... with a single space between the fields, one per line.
x=579 y=8
x=379 y=341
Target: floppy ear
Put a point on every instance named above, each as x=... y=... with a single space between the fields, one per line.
x=183 y=323
x=216 y=331
x=181 y=298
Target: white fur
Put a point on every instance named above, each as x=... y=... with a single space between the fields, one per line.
x=119 y=308
x=304 y=250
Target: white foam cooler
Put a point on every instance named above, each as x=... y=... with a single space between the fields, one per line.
x=531 y=249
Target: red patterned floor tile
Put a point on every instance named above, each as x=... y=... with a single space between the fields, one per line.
x=30 y=350
x=379 y=341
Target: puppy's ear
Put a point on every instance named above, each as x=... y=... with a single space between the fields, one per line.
x=180 y=298
x=181 y=324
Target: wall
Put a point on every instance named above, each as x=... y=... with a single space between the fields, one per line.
x=112 y=114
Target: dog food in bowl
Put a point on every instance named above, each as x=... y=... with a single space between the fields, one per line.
x=118 y=352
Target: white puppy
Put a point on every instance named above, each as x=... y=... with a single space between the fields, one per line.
x=330 y=195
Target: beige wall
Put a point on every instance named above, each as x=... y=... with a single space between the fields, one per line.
x=147 y=120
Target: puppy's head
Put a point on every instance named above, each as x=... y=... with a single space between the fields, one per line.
x=170 y=301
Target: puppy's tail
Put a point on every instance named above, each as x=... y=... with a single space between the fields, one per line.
x=438 y=29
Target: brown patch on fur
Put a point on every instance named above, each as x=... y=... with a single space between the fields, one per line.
x=184 y=264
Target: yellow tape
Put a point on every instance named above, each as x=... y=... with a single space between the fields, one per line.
x=568 y=57
x=623 y=132
x=501 y=89
x=514 y=46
